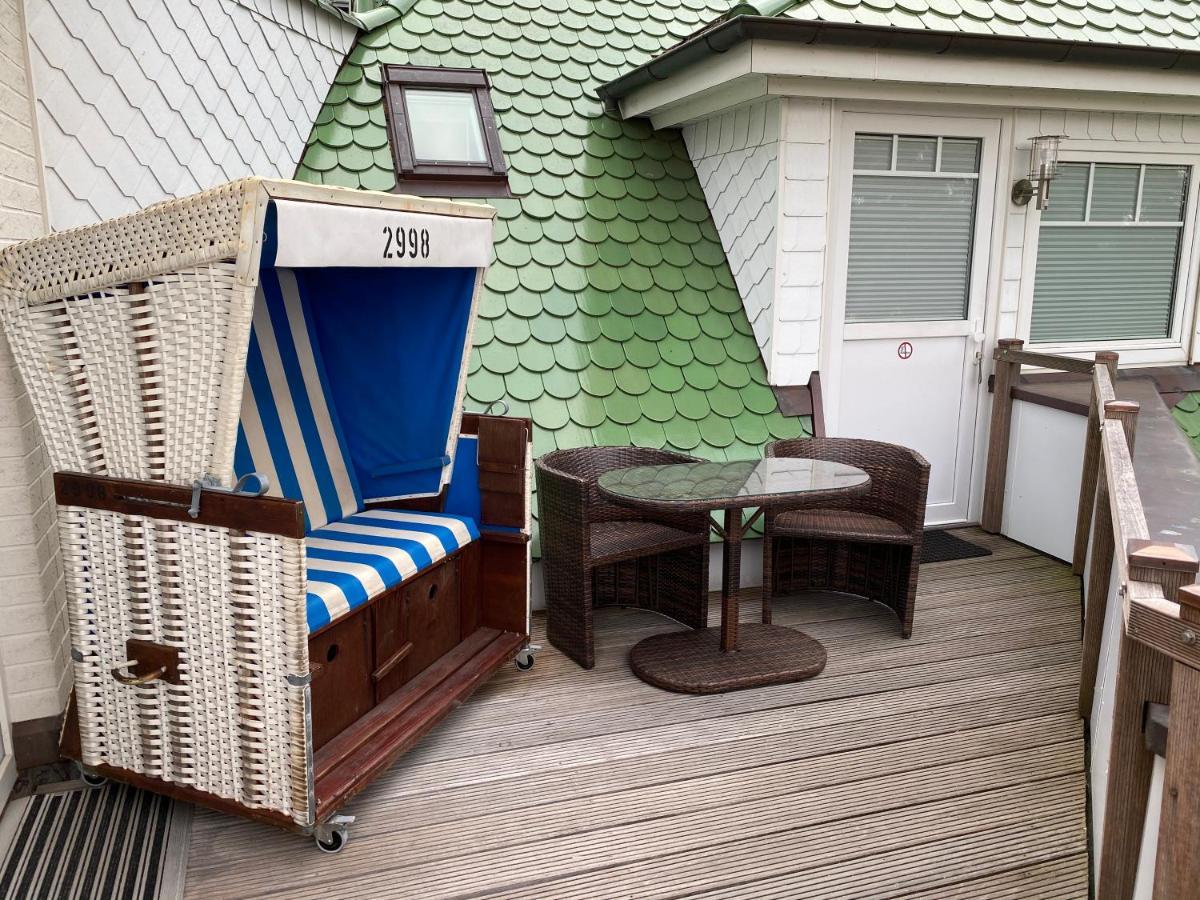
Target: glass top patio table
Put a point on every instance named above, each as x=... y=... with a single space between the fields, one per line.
x=742 y=483
x=734 y=656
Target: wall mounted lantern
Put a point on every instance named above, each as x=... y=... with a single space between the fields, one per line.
x=1043 y=166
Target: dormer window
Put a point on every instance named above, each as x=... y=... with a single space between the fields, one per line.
x=443 y=132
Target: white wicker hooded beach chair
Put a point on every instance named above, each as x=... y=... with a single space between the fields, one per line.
x=288 y=552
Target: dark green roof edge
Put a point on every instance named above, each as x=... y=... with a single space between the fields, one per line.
x=726 y=34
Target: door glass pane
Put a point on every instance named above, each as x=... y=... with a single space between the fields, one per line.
x=910 y=248
x=445 y=126
x=1104 y=283
x=1163 y=192
x=1068 y=193
x=916 y=154
x=1114 y=193
x=873 y=151
x=960 y=155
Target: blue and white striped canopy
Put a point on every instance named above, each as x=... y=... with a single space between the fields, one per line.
x=354 y=385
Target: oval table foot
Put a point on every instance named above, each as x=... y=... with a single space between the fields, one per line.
x=692 y=662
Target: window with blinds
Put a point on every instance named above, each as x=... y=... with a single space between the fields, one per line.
x=1108 y=253
x=912 y=224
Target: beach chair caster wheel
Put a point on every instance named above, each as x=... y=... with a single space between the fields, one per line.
x=524 y=660
x=334 y=841
x=92 y=779
x=333 y=835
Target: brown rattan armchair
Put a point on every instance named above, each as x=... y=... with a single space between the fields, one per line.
x=868 y=545
x=597 y=553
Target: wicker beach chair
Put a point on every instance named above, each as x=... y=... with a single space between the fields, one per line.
x=596 y=553
x=869 y=545
x=288 y=551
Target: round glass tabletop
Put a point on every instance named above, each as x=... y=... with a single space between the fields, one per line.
x=751 y=482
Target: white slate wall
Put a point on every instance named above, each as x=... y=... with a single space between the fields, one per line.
x=736 y=156
x=765 y=172
x=33 y=633
x=804 y=226
x=140 y=100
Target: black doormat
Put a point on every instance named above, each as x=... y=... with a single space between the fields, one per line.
x=943 y=546
x=108 y=842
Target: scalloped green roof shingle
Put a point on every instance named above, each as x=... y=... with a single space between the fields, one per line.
x=609 y=315
x=1171 y=24
x=1187 y=414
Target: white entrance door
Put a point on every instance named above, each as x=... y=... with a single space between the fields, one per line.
x=910 y=279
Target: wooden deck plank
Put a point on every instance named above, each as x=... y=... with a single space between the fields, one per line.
x=835 y=860
x=624 y=804
x=846 y=632
x=948 y=766
x=1042 y=685
x=1041 y=881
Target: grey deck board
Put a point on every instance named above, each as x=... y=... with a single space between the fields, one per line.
x=950 y=765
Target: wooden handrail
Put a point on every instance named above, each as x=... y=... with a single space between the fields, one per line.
x=1158 y=656
x=1104 y=372
x=1008 y=373
x=1012 y=353
x=1010 y=357
x=1179 y=822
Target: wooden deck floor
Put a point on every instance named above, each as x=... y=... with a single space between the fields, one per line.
x=947 y=766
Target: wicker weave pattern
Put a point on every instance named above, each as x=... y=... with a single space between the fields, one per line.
x=167 y=237
x=643 y=564
x=234 y=604
x=868 y=545
x=131 y=384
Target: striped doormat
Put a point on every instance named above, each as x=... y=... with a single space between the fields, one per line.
x=114 y=842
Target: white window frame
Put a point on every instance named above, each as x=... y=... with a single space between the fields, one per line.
x=1178 y=346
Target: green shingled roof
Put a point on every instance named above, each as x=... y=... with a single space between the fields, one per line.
x=610 y=315
x=1187 y=414
x=1173 y=24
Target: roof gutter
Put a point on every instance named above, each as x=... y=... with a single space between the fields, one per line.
x=727 y=34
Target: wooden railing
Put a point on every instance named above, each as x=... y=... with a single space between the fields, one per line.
x=1158 y=658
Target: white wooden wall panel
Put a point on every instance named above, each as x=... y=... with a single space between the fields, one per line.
x=33 y=633
x=736 y=156
x=140 y=100
x=1045 y=464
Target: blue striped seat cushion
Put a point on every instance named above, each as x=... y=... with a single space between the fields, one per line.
x=289 y=429
x=354 y=560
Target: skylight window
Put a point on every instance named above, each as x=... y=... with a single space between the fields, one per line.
x=443 y=132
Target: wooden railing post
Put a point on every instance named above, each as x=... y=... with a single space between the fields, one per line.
x=1095 y=596
x=1007 y=374
x=1143 y=677
x=1091 y=468
x=1177 y=865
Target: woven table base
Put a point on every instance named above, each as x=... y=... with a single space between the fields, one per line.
x=692 y=662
